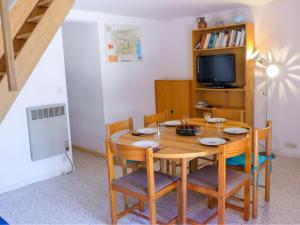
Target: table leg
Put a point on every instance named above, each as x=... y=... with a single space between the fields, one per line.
x=183 y=190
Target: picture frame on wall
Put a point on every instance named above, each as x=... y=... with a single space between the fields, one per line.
x=123 y=43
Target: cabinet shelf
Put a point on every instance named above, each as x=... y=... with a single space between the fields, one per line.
x=216 y=49
x=226 y=27
x=211 y=109
x=222 y=89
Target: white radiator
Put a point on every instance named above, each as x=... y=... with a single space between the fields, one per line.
x=48 y=131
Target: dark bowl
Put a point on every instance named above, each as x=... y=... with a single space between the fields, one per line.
x=187 y=130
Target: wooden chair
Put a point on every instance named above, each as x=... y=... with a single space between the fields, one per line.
x=259 y=162
x=112 y=129
x=116 y=127
x=155 y=118
x=144 y=184
x=220 y=183
x=230 y=114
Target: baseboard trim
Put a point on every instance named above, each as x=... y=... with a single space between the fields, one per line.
x=32 y=181
x=89 y=151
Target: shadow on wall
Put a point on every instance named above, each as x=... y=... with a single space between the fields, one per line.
x=283 y=94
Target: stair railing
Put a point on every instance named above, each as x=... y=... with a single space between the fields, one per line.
x=8 y=46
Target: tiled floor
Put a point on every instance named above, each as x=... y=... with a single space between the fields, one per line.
x=82 y=198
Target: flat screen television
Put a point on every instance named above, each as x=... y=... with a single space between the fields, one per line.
x=217 y=70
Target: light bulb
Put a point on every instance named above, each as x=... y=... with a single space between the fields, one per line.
x=272 y=71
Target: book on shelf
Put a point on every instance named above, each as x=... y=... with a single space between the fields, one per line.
x=242 y=42
x=211 y=40
x=223 y=39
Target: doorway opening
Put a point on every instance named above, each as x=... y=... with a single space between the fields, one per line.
x=84 y=85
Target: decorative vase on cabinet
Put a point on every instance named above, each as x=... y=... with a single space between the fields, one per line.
x=202 y=24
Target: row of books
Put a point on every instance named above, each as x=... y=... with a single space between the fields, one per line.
x=232 y=38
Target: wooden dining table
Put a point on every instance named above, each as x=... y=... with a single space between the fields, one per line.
x=186 y=148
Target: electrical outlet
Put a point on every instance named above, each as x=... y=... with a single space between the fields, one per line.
x=67 y=146
x=290 y=144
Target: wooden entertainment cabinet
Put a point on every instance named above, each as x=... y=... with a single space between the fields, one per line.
x=239 y=98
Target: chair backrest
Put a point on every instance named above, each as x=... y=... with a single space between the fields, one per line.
x=128 y=152
x=155 y=118
x=229 y=150
x=230 y=114
x=262 y=134
x=116 y=127
x=236 y=148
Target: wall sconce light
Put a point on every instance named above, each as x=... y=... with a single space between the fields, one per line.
x=272 y=71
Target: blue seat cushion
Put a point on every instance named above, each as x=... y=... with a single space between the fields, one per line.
x=240 y=160
x=3 y=222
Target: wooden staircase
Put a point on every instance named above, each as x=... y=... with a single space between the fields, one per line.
x=33 y=24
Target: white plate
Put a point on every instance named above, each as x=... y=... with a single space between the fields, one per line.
x=172 y=123
x=236 y=130
x=215 y=120
x=147 y=130
x=212 y=141
x=146 y=144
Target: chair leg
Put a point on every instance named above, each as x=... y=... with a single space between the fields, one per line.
x=126 y=202
x=247 y=200
x=268 y=182
x=142 y=206
x=113 y=207
x=210 y=202
x=178 y=204
x=162 y=165
x=255 y=195
x=168 y=166
x=174 y=167
x=152 y=209
x=221 y=210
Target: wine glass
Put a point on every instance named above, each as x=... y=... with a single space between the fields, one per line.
x=159 y=132
x=207 y=116
x=185 y=119
x=219 y=124
x=157 y=135
x=198 y=131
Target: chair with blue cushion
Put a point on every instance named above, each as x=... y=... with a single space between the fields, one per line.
x=259 y=162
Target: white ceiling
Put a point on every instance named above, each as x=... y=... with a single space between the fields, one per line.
x=162 y=9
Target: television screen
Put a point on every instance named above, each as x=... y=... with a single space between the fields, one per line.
x=217 y=69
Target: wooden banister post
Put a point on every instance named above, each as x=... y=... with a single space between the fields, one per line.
x=8 y=46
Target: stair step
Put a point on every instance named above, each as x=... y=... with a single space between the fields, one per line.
x=34 y=19
x=23 y=36
x=44 y=3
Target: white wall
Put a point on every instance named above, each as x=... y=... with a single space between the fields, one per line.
x=128 y=88
x=45 y=86
x=84 y=84
x=277 y=28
